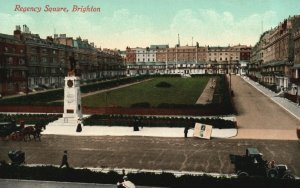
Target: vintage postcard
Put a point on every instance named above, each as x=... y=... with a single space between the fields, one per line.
x=118 y=92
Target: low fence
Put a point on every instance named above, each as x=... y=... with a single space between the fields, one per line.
x=31 y=109
x=207 y=111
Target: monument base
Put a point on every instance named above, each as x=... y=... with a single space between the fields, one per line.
x=67 y=121
x=71 y=119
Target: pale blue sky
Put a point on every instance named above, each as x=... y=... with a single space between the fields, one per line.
x=141 y=23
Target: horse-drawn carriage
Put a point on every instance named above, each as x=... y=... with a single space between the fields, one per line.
x=10 y=130
x=7 y=128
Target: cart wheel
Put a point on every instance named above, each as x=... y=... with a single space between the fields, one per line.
x=272 y=173
x=242 y=174
x=288 y=175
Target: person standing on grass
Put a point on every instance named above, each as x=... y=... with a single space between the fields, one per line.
x=65 y=160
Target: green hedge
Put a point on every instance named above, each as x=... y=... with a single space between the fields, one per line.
x=35 y=99
x=153 y=121
x=30 y=118
x=50 y=173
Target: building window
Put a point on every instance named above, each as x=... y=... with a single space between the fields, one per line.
x=21 y=61
x=44 y=60
x=10 y=60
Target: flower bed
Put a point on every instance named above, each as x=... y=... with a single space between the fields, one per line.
x=153 y=121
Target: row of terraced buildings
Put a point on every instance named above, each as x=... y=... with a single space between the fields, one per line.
x=275 y=59
x=28 y=62
x=186 y=60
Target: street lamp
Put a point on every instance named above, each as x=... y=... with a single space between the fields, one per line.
x=296 y=88
x=230 y=81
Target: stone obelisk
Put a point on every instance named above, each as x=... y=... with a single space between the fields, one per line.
x=72 y=96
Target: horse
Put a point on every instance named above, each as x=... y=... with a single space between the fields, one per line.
x=29 y=131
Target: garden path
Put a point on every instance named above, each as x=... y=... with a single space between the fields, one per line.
x=208 y=92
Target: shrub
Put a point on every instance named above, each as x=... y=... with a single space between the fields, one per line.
x=163 y=85
x=153 y=121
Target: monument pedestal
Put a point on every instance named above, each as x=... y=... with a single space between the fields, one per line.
x=72 y=101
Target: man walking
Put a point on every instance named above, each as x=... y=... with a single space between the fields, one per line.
x=65 y=160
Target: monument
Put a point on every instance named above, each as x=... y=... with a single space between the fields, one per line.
x=72 y=96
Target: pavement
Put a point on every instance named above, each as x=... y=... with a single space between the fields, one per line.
x=15 y=183
x=57 y=129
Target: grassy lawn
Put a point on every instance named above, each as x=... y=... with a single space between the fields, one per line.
x=182 y=91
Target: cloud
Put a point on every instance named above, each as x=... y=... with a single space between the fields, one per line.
x=124 y=28
x=210 y=27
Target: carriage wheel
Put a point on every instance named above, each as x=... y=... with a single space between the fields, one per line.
x=272 y=173
x=288 y=175
x=242 y=174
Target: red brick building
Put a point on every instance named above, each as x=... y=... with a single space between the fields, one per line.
x=13 y=65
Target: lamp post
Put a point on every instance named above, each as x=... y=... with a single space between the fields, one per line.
x=230 y=81
x=296 y=88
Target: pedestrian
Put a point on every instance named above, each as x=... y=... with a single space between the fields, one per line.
x=65 y=160
x=79 y=128
x=186 y=130
x=135 y=125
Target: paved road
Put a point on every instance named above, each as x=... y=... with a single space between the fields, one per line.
x=256 y=111
x=151 y=152
x=12 y=183
x=7 y=183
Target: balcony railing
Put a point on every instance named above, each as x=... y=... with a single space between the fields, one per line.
x=17 y=78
